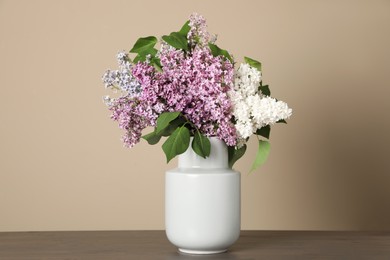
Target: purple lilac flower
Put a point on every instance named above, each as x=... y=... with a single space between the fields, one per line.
x=198 y=33
x=129 y=114
x=196 y=85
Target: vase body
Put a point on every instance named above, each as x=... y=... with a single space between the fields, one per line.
x=202 y=202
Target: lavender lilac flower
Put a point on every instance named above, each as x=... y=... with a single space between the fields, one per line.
x=195 y=84
x=122 y=79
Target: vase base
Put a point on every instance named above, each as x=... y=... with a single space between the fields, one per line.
x=201 y=252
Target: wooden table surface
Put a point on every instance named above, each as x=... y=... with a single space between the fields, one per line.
x=114 y=245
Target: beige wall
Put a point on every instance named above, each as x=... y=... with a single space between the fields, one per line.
x=63 y=166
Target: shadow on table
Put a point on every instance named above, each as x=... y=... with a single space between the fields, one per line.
x=180 y=256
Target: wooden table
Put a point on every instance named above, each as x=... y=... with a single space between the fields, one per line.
x=136 y=245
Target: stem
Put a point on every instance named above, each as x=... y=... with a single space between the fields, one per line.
x=189 y=122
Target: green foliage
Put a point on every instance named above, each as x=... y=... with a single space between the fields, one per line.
x=201 y=144
x=142 y=55
x=264 y=131
x=235 y=154
x=177 y=40
x=173 y=125
x=282 y=121
x=152 y=138
x=265 y=90
x=164 y=119
x=168 y=123
x=185 y=29
x=216 y=51
x=144 y=44
x=177 y=143
x=156 y=64
x=253 y=63
x=144 y=47
x=262 y=154
x=167 y=131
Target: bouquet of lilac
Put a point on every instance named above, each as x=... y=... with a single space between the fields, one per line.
x=189 y=87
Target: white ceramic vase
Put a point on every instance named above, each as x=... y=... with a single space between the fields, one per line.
x=202 y=202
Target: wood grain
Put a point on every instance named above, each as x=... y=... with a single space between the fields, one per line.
x=127 y=245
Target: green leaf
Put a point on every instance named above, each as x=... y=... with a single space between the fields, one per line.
x=143 y=44
x=138 y=58
x=235 y=154
x=167 y=131
x=152 y=138
x=151 y=51
x=156 y=64
x=265 y=90
x=164 y=119
x=216 y=51
x=185 y=29
x=262 y=154
x=282 y=121
x=142 y=55
x=201 y=144
x=264 y=131
x=176 y=40
x=177 y=143
x=253 y=63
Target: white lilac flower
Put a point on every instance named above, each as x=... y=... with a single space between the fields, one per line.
x=235 y=96
x=245 y=129
x=269 y=111
x=251 y=109
x=247 y=80
x=242 y=111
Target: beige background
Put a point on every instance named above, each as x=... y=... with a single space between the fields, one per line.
x=63 y=166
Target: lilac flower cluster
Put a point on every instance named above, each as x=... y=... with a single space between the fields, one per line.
x=195 y=84
x=129 y=114
x=198 y=34
x=122 y=79
x=193 y=80
x=251 y=109
x=127 y=109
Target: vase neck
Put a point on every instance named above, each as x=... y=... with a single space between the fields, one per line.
x=218 y=156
